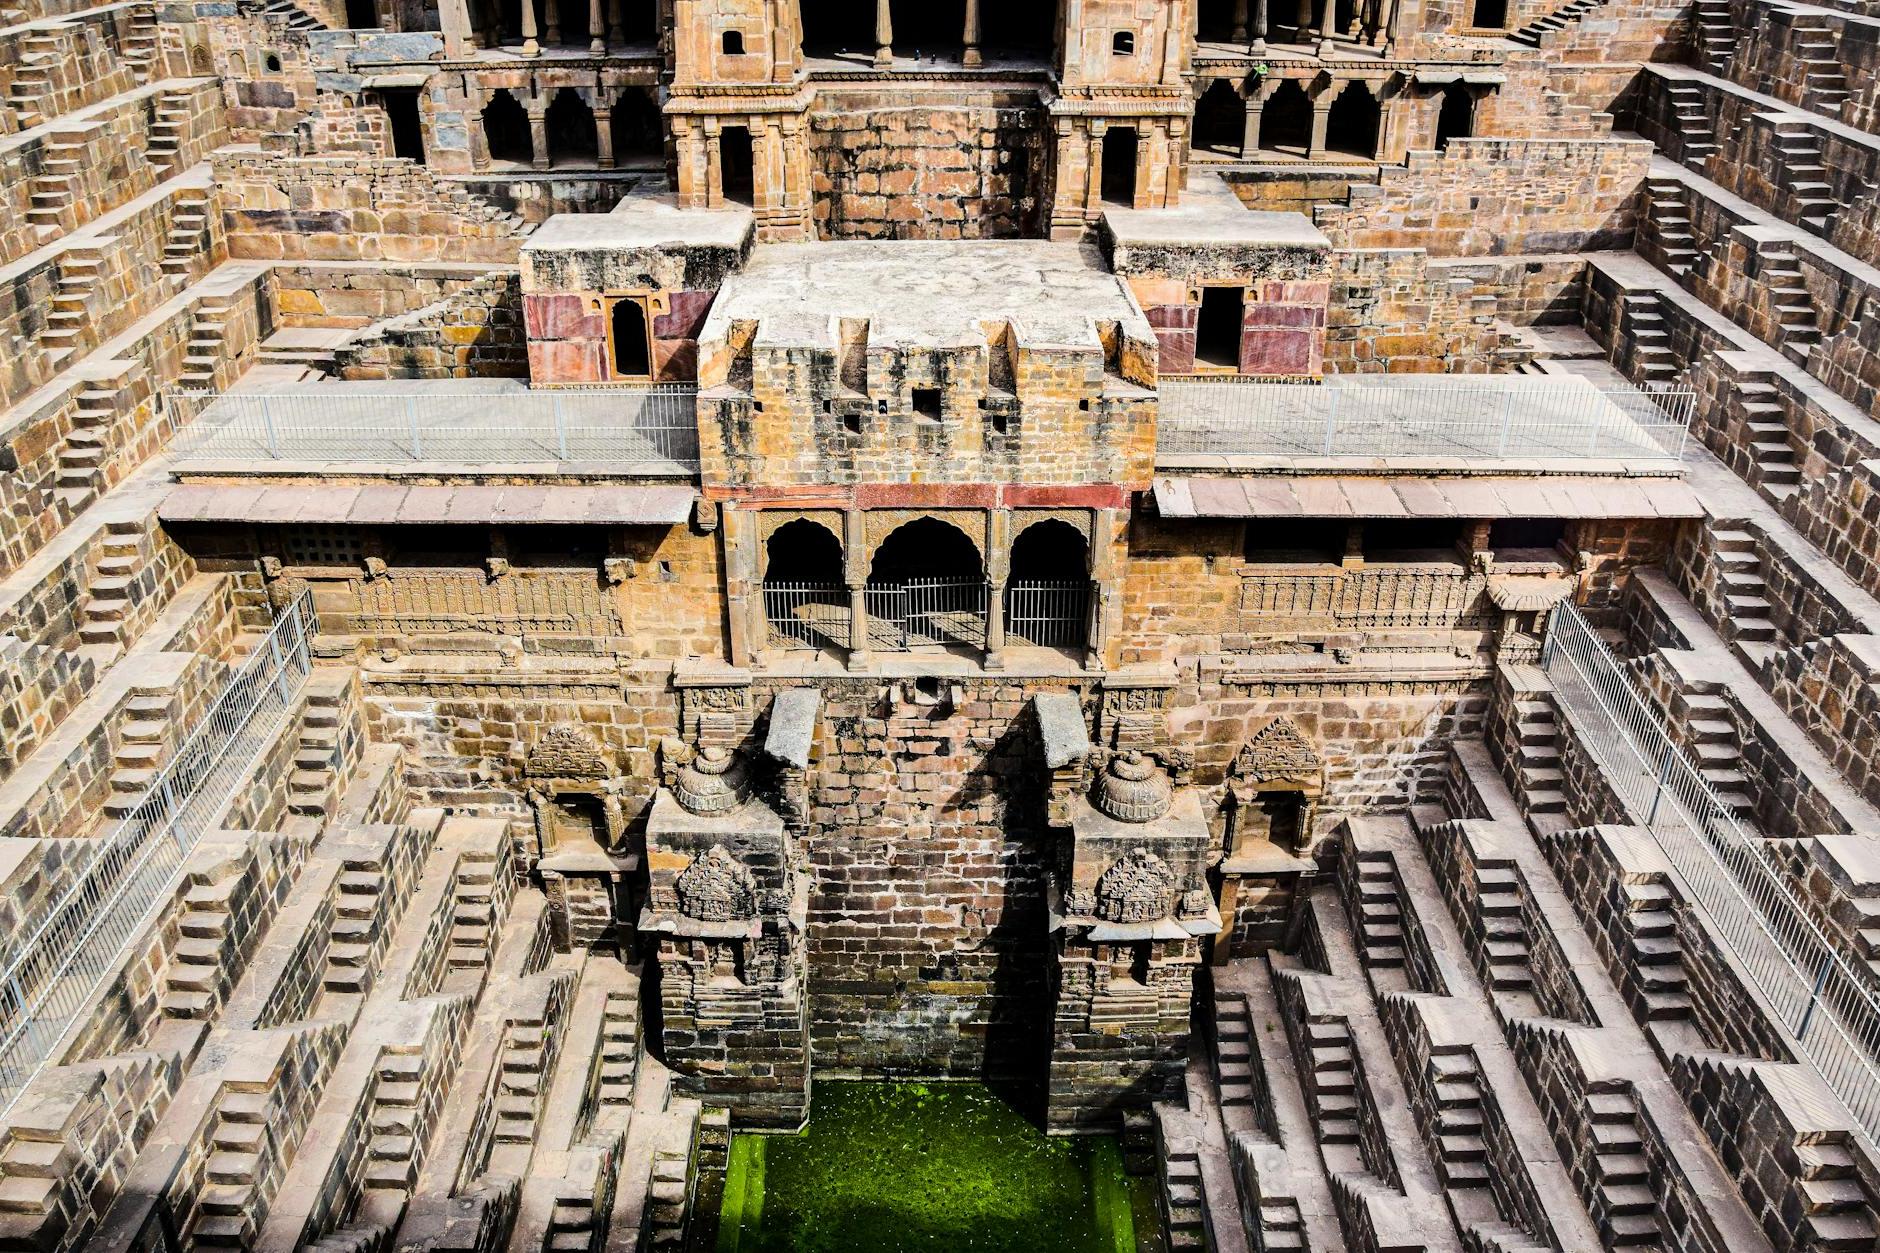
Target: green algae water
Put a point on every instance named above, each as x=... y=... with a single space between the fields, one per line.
x=911 y=1167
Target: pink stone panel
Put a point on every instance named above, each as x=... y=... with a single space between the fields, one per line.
x=675 y=360
x=685 y=315
x=1283 y=316
x=560 y=317
x=566 y=361
x=1279 y=352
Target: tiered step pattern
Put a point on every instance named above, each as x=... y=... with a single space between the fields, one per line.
x=107 y=600
x=1559 y=19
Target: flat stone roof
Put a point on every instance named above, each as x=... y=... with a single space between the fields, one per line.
x=643 y=222
x=926 y=293
x=1211 y=215
x=1362 y=496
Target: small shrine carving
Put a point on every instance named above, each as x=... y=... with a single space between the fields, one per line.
x=716 y=888
x=1280 y=752
x=566 y=751
x=1137 y=887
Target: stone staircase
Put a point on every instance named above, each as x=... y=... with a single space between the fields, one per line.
x=1183 y=1205
x=143 y=744
x=87 y=445
x=202 y=360
x=1824 y=86
x=1656 y=955
x=1714 y=746
x=1804 y=171
x=1798 y=332
x=1765 y=422
x=1233 y=1049
x=107 y=600
x=1505 y=953
x=1670 y=216
x=32 y=82
x=620 y=1051
x=169 y=127
x=1625 y=1205
x=295 y=17
x=55 y=188
x=1380 y=929
x=1538 y=770
x=314 y=782
x=527 y=1056
x=141 y=46
x=1692 y=121
x=362 y=917
x=1715 y=35
x=396 y=1122
x=1836 y=1212
x=1456 y=1085
x=81 y=270
x=229 y=1207
x=1561 y=18
x=1739 y=562
x=189 y=237
x=473 y=917
x=1650 y=340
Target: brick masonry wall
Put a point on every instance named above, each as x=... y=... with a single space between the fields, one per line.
x=1491 y=197
x=1391 y=312
x=475 y=332
x=339 y=208
x=890 y=167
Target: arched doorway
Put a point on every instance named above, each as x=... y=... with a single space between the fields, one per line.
x=1286 y=119
x=506 y=129
x=1351 y=126
x=806 y=602
x=572 y=139
x=1456 y=118
x=1220 y=120
x=639 y=133
x=926 y=588
x=1047 y=596
x=629 y=343
x=1119 y=165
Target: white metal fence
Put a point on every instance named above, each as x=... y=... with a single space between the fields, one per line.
x=1476 y=416
x=654 y=426
x=58 y=955
x=807 y=615
x=1825 y=995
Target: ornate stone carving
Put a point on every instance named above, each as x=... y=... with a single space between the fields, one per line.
x=617 y=570
x=716 y=888
x=1279 y=751
x=566 y=751
x=1133 y=789
x=1137 y=887
x=712 y=781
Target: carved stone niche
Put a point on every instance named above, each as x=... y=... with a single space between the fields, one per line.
x=574 y=789
x=1139 y=859
x=1525 y=602
x=715 y=705
x=1134 y=711
x=1273 y=791
x=717 y=859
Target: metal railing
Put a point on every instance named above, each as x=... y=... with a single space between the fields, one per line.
x=1516 y=417
x=807 y=615
x=1828 y=998
x=926 y=611
x=1047 y=613
x=652 y=426
x=59 y=955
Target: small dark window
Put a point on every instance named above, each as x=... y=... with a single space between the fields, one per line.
x=556 y=547
x=1514 y=534
x=852 y=422
x=927 y=403
x=273 y=63
x=632 y=351
x=734 y=43
x=1413 y=539
x=1295 y=540
x=999 y=423
x=1124 y=44
x=401 y=111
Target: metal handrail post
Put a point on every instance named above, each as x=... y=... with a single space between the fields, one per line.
x=267 y=425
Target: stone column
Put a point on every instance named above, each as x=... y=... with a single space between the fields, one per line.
x=855 y=557
x=554 y=21
x=1093 y=167
x=1302 y=21
x=1328 y=27
x=1258 y=45
x=538 y=134
x=530 y=48
x=1321 y=117
x=597 y=29
x=1240 y=20
x=714 y=174
x=616 y=22
x=858 y=626
x=998 y=573
x=453 y=19
x=971 y=38
x=604 y=138
x=884 y=35
x=1250 y=125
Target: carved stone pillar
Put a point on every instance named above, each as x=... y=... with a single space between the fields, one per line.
x=1302 y=22
x=538 y=135
x=616 y=22
x=1259 y=27
x=884 y=35
x=971 y=36
x=1321 y=119
x=530 y=48
x=553 y=22
x=1240 y=20
x=604 y=135
x=1250 y=125
x=858 y=626
x=714 y=174
x=453 y=19
x=597 y=29
x=1328 y=27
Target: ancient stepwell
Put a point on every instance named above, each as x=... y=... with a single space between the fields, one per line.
x=1283 y=594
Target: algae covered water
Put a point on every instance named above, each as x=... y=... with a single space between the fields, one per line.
x=910 y=1167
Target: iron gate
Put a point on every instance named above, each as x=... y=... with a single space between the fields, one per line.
x=926 y=612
